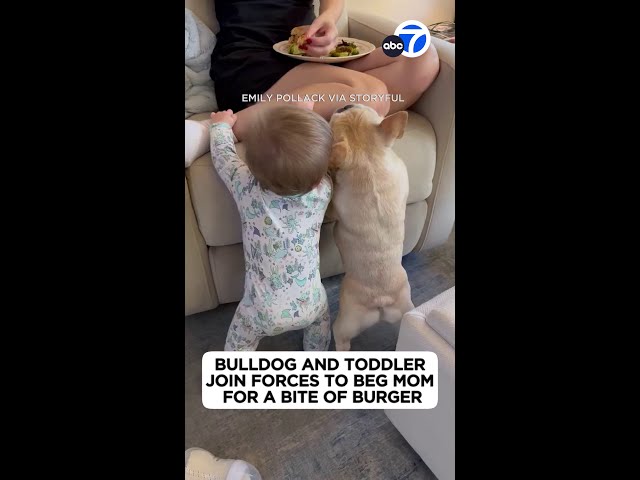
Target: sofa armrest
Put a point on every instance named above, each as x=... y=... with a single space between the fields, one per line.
x=437 y=104
x=431 y=433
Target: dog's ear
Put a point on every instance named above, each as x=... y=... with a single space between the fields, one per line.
x=338 y=156
x=392 y=127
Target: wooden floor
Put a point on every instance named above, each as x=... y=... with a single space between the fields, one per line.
x=310 y=444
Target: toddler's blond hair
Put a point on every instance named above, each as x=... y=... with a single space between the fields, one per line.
x=288 y=149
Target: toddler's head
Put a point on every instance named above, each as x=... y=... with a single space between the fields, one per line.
x=288 y=150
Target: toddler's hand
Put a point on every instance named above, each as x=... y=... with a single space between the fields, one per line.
x=225 y=116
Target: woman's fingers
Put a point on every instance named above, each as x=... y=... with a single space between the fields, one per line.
x=314 y=50
x=321 y=41
x=317 y=25
x=320 y=46
x=321 y=38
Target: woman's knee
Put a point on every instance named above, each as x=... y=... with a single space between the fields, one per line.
x=424 y=69
x=378 y=91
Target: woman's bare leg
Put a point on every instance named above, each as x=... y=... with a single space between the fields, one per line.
x=327 y=80
x=403 y=76
x=374 y=74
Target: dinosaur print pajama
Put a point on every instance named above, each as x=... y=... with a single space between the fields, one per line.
x=280 y=235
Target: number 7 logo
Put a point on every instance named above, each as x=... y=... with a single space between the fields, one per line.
x=416 y=38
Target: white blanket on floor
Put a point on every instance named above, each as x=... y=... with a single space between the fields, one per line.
x=199 y=41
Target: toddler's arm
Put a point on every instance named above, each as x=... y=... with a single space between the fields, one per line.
x=232 y=170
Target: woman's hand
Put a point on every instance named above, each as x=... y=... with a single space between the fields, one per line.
x=322 y=36
x=225 y=116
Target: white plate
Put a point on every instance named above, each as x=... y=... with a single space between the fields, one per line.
x=365 y=48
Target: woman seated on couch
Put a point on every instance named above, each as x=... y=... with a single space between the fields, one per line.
x=244 y=62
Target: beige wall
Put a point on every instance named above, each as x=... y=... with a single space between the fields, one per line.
x=425 y=11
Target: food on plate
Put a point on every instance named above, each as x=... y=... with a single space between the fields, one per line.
x=298 y=41
x=344 y=49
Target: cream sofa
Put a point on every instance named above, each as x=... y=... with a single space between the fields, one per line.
x=431 y=327
x=214 y=263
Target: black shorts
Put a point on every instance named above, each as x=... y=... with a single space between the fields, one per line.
x=243 y=61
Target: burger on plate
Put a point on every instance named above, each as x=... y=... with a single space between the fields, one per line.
x=297 y=40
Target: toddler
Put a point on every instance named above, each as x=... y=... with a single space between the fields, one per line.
x=282 y=192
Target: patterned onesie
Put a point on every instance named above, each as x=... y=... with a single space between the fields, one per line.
x=280 y=235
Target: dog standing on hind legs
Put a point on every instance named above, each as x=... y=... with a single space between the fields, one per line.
x=369 y=202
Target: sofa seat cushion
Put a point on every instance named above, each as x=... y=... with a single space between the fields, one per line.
x=216 y=210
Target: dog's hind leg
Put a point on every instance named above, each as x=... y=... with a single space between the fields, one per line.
x=352 y=319
x=393 y=313
x=350 y=322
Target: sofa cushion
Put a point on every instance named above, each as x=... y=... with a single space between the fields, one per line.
x=216 y=210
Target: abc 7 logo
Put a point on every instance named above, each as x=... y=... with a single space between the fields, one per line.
x=392 y=46
x=411 y=39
